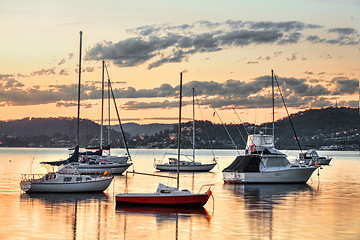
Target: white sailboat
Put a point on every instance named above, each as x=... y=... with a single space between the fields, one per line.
x=69 y=182
x=166 y=196
x=262 y=163
x=101 y=161
x=186 y=165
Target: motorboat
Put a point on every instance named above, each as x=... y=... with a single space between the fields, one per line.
x=311 y=157
x=166 y=196
x=263 y=163
x=187 y=165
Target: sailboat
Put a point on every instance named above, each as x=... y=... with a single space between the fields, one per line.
x=166 y=196
x=263 y=163
x=96 y=162
x=69 y=182
x=186 y=165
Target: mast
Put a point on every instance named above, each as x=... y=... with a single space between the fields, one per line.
x=193 y=124
x=78 y=112
x=109 y=120
x=273 y=106
x=102 y=106
x=179 y=134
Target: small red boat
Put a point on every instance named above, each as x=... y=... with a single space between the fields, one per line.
x=165 y=196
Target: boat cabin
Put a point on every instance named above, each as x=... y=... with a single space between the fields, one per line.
x=259 y=142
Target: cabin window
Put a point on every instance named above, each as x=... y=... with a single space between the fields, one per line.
x=79 y=179
x=88 y=179
x=67 y=179
x=165 y=191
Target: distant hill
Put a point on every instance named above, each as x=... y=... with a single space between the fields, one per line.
x=143 y=129
x=318 y=127
x=335 y=127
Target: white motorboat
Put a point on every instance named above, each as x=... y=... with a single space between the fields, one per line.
x=56 y=182
x=311 y=157
x=262 y=163
x=186 y=165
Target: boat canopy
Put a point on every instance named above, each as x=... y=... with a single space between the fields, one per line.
x=73 y=158
x=244 y=163
x=261 y=141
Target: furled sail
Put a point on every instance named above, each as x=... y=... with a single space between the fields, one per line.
x=73 y=158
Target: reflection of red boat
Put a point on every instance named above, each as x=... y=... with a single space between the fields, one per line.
x=165 y=196
x=156 y=210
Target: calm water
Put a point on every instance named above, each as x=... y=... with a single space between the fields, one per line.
x=328 y=207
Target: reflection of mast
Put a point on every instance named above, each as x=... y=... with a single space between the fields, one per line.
x=75 y=220
x=177 y=226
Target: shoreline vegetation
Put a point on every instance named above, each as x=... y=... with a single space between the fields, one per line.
x=324 y=129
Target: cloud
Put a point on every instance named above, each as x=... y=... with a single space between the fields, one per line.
x=63 y=72
x=50 y=71
x=160 y=44
x=298 y=92
x=292 y=58
x=344 y=85
x=343 y=31
x=62 y=61
x=73 y=104
x=7 y=81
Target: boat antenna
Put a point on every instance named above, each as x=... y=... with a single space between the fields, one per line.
x=179 y=134
x=78 y=112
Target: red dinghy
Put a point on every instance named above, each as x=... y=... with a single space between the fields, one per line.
x=166 y=196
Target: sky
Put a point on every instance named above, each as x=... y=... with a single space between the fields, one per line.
x=225 y=50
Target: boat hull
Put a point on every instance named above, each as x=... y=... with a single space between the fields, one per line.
x=101 y=169
x=40 y=187
x=296 y=175
x=320 y=161
x=98 y=169
x=154 y=200
x=185 y=168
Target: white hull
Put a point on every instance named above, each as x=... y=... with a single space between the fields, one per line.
x=186 y=168
x=112 y=168
x=291 y=175
x=66 y=183
x=320 y=161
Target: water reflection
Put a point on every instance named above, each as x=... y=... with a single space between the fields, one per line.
x=68 y=206
x=262 y=199
x=162 y=214
x=167 y=220
x=58 y=198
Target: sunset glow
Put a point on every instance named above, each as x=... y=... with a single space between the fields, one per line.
x=226 y=49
